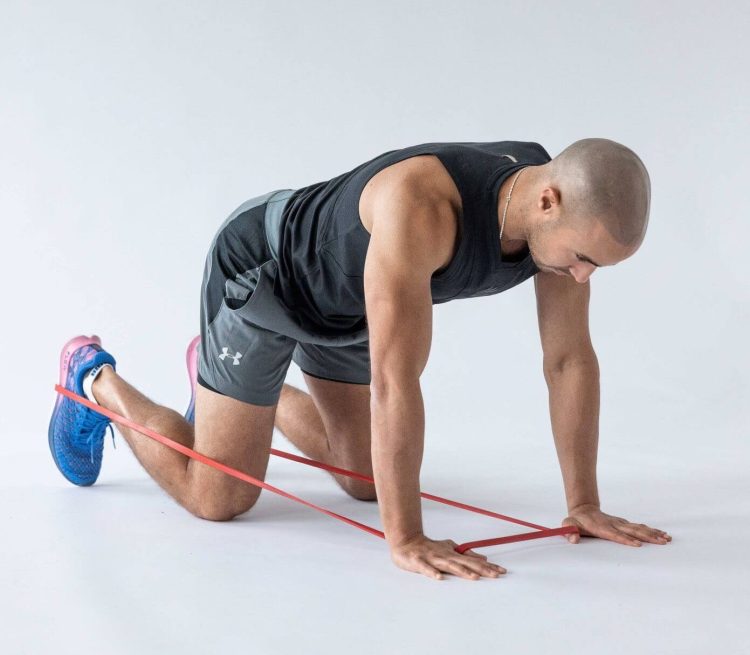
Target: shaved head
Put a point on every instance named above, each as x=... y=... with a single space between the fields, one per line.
x=604 y=181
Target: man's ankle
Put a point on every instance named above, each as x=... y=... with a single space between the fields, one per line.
x=95 y=382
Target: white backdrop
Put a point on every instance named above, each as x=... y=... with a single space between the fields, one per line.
x=130 y=130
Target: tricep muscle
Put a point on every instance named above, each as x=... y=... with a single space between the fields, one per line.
x=401 y=258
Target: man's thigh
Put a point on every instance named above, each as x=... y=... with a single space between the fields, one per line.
x=338 y=378
x=241 y=369
x=345 y=411
x=234 y=433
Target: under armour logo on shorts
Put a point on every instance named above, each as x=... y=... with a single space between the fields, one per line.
x=235 y=358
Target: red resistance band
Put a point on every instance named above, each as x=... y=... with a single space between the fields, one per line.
x=539 y=530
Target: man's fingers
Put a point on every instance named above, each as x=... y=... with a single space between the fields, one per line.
x=463 y=570
x=484 y=565
x=454 y=567
x=609 y=530
x=643 y=532
x=490 y=570
x=614 y=528
x=438 y=558
x=621 y=537
x=469 y=567
x=426 y=569
x=484 y=568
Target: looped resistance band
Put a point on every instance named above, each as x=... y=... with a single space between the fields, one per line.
x=539 y=530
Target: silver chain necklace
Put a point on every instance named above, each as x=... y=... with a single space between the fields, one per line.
x=507 y=202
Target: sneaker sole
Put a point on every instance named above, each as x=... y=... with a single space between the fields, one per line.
x=67 y=351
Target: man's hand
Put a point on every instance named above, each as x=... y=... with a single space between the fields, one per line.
x=432 y=558
x=592 y=522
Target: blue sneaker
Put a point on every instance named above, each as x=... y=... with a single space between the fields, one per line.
x=76 y=433
x=191 y=358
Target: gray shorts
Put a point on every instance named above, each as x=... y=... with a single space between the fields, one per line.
x=248 y=336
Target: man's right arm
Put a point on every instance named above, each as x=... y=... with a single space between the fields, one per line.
x=403 y=253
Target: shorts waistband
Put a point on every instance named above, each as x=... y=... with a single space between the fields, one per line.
x=273 y=224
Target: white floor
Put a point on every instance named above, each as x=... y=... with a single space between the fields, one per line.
x=131 y=130
x=120 y=568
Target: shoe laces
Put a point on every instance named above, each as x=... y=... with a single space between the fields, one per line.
x=91 y=427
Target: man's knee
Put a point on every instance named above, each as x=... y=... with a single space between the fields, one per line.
x=356 y=488
x=222 y=507
x=360 y=489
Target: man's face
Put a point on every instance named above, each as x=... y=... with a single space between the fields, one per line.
x=577 y=254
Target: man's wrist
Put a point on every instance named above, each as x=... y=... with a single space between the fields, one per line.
x=572 y=507
x=400 y=539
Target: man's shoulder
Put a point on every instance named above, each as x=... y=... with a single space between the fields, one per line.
x=421 y=181
x=421 y=194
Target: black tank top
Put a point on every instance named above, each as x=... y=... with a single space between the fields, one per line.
x=323 y=243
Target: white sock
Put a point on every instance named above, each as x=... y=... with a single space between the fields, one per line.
x=88 y=381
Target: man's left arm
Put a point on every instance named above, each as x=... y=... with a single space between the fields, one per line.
x=571 y=370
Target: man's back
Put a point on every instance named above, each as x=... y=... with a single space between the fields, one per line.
x=323 y=240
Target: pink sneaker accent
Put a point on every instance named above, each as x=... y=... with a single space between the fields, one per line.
x=191 y=359
x=67 y=351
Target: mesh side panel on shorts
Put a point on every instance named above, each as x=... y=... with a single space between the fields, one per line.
x=240 y=246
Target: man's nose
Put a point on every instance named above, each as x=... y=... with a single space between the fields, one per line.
x=582 y=271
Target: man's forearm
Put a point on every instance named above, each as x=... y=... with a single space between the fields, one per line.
x=574 y=412
x=397 y=446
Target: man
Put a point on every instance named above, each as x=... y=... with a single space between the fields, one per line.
x=340 y=276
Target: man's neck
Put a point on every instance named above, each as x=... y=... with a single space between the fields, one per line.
x=514 y=237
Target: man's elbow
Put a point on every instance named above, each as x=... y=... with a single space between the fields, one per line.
x=388 y=384
x=586 y=358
